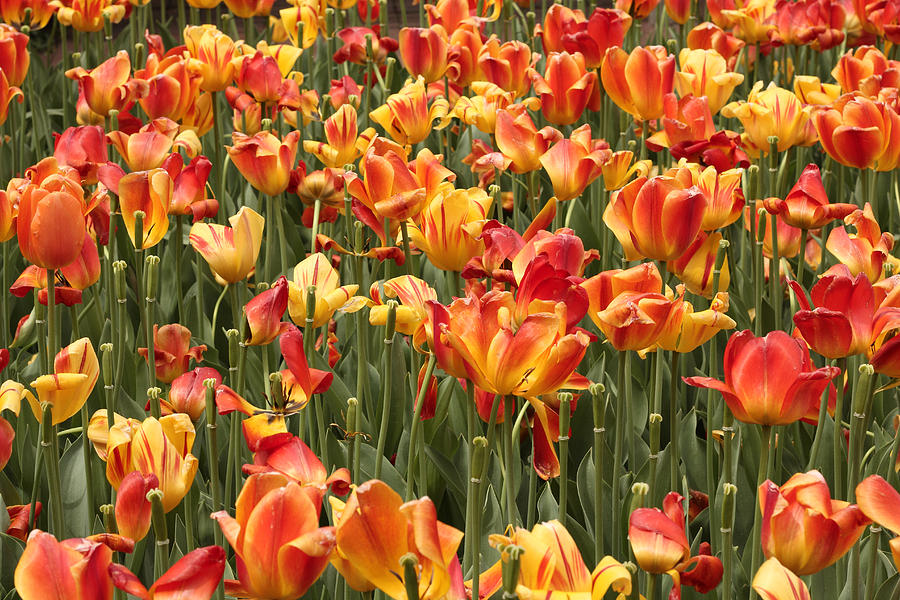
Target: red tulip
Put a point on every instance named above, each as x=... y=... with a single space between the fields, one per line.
x=132 y=506
x=196 y=576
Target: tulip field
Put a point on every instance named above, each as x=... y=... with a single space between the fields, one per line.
x=470 y=299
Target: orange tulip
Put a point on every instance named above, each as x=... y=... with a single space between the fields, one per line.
x=447 y=230
x=50 y=225
x=639 y=9
x=331 y=297
x=482 y=108
x=660 y=545
x=865 y=69
x=289 y=456
x=774 y=581
x=173 y=350
x=414 y=295
x=507 y=65
x=424 y=51
x=231 y=252
x=860 y=133
x=558 y=20
x=708 y=36
x=246 y=9
x=74 y=569
x=199 y=115
x=788 y=237
x=187 y=394
x=806 y=206
x=72 y=279
x=552 y=565
x=604 y=29
x=618 y=170
x=658 y=216
x=195 y=575
x=803 y=527
x=13 y=12
x=724 y=196
x=867 y=250
x=637 y=82
x=687 y=330
x=148 y=147
x=574 y=163
x=878 y=500
x=264 y=312
x=753 y=22
x=769 y=380
x=566 y=88
x=344 y=143
x=530 y=358
x=811 y=90
x=281 y=550
x=172 y=86
x=678 y=10
x=83 y=149
x=705 y=73
x=407 y=117
x=375 y=529
x=150 y=192
x=773 y=111
x=14 y=56
x=132 y=506
x=109 y=86
x=9 y=211
x=520 y=141
x=211 y=54
x=264 y=160
x=88 y=15
x=695 y=266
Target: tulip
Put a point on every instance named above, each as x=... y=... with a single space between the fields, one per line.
x=606 y=28
x=768 y=380
x=132 y=506
x=158 y=447
x=724 y=196
x=867 y=250
x=754 y=22
x=302 y=19
x=574 y=163
x=678 y=10
x=773 y=581
x=50 y=225
x=695 y=267
x=172 y=346
x=281 y=550
x=639 y=9
x=687 y=330
x=806 y=206
x=482 y=108
x=14 y=56
x=188 y=392
x=76 y=370
x=634 y=321
x=374 y=529
x=558 y=20
x=189 y=183
x=83 y=149
x=860 y=133
x=407 y=116
x=566 y=88
x=444 y=230
x=411 y=315
x=211 y=52
x=149 y=147
x=246 y=9
x=529 y=358
x=88 y=15
x=619 y=169
x=13 y=12
x=424 y=51
x=343 y=91
x=708 y=36
x=264 y=312
x=355 y=48
x=330 y=296
x=78 y=275
x=74 y=569
x=705 y=73
x=231 y=252
x=810 y=90
x=172 y=86
x=662 y=216
x=9 y=211
x=507 y=65
x=260 y=75
x=789 y=238
x=344 y=144
x=803 y=527
x=199 y=115
x=773 y=111
x=264 y=160
x=520 y=141
x=19 y=519
x=878 y=500
x=637 y=82
x=109 y=86
x=660 y=545
x=147 y=191
x=551 y=564
x=863 y=67
x=195 y=575
x=289 y=456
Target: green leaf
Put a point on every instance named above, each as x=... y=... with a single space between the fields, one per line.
x=74 y=490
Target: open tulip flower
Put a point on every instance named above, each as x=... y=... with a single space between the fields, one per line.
x=859 y=132
x=331 y=297
x=520 y=141
x=172 y=346
x=552 y=565
x=448 y=231
x=264 y=160
x=806 y=206
x=481 y=109
x=637 y=82
x=705 y=73
x=344 y=144
x=211 y=53
x=506 y=65
x=772 y=111
x=803 y=527
x=281 y=550
x=151 y=145
x=877 y=499
x=575 y=163
x=868 y=250
x=195 y=575
x=231 y=252
x=659 y=542
x=774 y=581
x=408 y=117
x=109 y=86
x=769 y=380
x=375 y=529
x=289 y=456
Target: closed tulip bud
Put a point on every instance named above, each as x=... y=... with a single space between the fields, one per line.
x=231 y=252
x=150 y=193
x=424 y=51
x=769 y=380
x=803 y=527
x=172 y=346
x=188 y=394
x=264 y=313
x=264 y=160
x=566 y=88
x=806 y=206
x=574 y=163
x=132 y=506
x=14 y=56
x=246 y=9
x=638 y=82
x=260 y=76
x=50 y=227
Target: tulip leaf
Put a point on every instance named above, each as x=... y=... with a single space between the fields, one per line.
x=886 y=589
x=4 y=516
x=448 y=470
x=389 y=473
x=548 y=508
x=10 y=550
x=73 y=481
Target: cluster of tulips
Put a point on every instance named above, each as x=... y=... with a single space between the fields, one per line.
x=477 y=298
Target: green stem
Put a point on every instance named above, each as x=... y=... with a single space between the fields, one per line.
x=837 y=434
x=415 y=428
x=218 y=144
x=88 y=472
x=161 y=532
x=872 y=560
x=820 y=424
x=564 y=415
x=179 y=250
x=509 y=482
x=729 y=491
x=767 y=439
x=387 y=385
x=859 y=425
x=675 y=450
x=407 y=252
x=618 y=467
x=51 y=463
x=598 y=454
x=477 y=470
x=801 y=258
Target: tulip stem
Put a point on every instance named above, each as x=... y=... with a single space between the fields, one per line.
x=767 y=439
x=415 y=428
x=178 y=238
x=473 y=476
x=801 y=258
x=478 y=469
x=775 y=274
x=675 y=451
x=218 y=144
x=4 y=314
x=506 y=447
x=89 y=476
x=622 y=423
x=872 y=561
x=407 y=252
x=652 y=586
x=150 y=299
x=51 y=463
x=820 y=425
x=859 y=424
x=51 y=317
x=410 y=564
x=837 y=442
x=565 y=400
x=728 y=495
x=387 y=384
x=599 y=405
x=160 y=531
